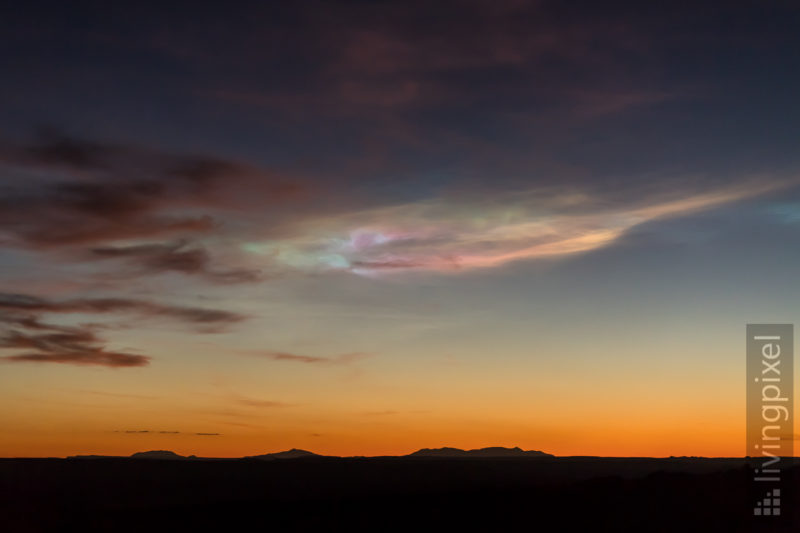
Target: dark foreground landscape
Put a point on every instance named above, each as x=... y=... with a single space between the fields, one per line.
x=421 y=492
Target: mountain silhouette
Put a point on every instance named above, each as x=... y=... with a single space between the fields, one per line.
x=157 y=454
x=294 y=453
x=495 y=451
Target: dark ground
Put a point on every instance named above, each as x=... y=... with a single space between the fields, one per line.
x=380 y=494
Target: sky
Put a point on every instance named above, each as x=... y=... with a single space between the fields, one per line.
x=365 y=228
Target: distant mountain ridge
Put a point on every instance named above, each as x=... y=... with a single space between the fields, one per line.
x=151 y=454
x=295 y=453
x=157 y=454
x=494 y=451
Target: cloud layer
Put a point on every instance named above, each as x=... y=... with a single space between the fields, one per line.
x=23 y=331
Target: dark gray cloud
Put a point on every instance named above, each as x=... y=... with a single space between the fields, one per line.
x=99 y=194
x=84 y=357
x=22 y=329
x=195 y=315
x=40 y=342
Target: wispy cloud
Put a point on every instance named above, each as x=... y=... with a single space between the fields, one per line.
x=195 y=315
x=120 y=395
x=101 y=194
x=49 y=343
x=442 y=236
x=78 y=356
x=255 y=402
x=340 y=359
x=23 y=330
x=162 y=432
x=179 y=256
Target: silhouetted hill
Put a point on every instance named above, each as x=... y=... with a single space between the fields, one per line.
x=294 y=453
x=157 y=454
x=494 y=451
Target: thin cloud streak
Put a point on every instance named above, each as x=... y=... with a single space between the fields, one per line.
x=251 y=402
x=98 y=356
x=340 y=359
x=197 y=315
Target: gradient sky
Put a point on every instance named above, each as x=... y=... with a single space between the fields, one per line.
x=364 y=228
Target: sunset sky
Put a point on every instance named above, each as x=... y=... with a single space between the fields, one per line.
x=368 y=227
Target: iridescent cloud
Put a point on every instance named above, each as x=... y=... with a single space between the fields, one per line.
x=437 y=235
